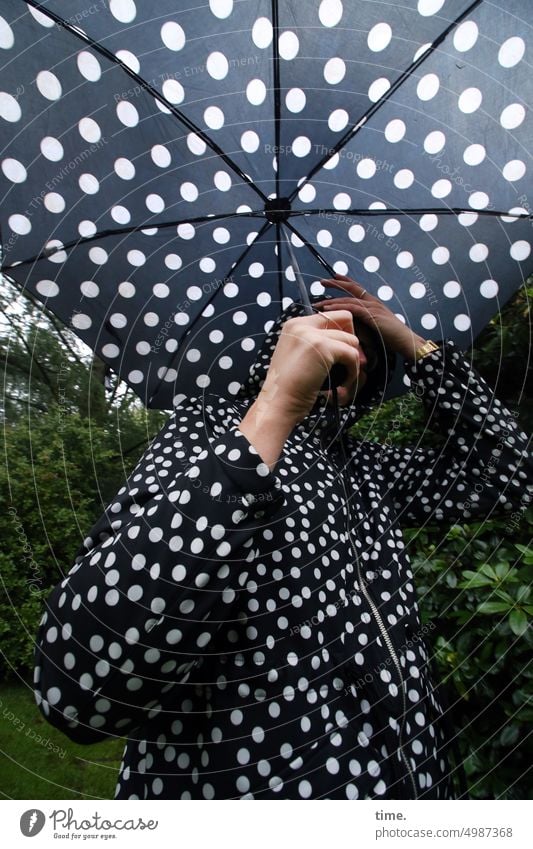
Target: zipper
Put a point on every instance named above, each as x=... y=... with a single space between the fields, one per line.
x=370 y=601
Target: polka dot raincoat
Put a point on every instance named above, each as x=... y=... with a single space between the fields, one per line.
x=255 y=634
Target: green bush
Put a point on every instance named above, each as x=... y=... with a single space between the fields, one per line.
x=474 y=584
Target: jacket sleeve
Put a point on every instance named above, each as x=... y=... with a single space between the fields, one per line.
x=154 y=581
x=484 y=465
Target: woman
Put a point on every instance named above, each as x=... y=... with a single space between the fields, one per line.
x=244 y=610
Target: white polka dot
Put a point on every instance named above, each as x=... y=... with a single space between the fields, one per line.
x=14 y=170
x=470 y=100
x=189 y=192
x=89 y=289
x=295 y=100
x=47 y=288
x=110 y=351
x=120 y=214
x=520 y=250
x=378 y=88
x=305 y=789
x=256 y=92
x=51 y=148
x=7 y=39
x=98 y=255
x=307 y=193
x=474 y=154
x=334 y=71
x=41 y=18
x=123 y=10
x=366 y=168
x=129 y=59
x=356 y=233
x=173 y=91
x=221 y=8
x=462 y=322
x=478 y=252
x=511 y=52
x=379 y=37
x=465 y=36
x=214 y=117
x=48 y=85
x=186 y=231
x=89 y=130
x=172 y=35
x=385 y=293
x=9 y=107
x=405 y=259
x=441 y=188
x=440 y=255
x=342 y=201
x=89 y=184
x=428 y=321
x=288 y=45
x=301 y=146
x=262 y=32
x=371 y=264
x=20 y=224
x=489 y=289
x=217 y=65
x=395 y=131
x=478 y=200
x=54 y=202
x=338 y=120
x=434 y=142
x=81 y=321
x=428 y=87
x=512 y=116
x=89 y=66
x=451 y=289
x=430 y=7
x=250 y=141
x=127 y=114
x=330 y=12
x=404 y=178
x=466 y=219
x=391 y=227
x=514 y=170
x=417 y=290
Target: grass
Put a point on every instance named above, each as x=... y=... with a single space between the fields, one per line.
x=38 y=762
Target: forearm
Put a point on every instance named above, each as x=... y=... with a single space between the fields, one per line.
x=267 y=429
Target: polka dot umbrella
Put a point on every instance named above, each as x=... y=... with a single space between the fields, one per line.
x=154 y=155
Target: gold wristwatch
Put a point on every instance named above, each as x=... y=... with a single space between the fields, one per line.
x=427 y=348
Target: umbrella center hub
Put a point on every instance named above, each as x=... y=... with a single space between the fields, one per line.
x=277 y=210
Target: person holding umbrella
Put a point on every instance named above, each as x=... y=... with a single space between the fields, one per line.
x=244 y=611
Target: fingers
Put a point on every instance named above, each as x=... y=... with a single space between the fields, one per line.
x=336 y=318
x=346 y=284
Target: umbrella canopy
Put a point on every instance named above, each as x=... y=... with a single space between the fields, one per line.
x=153 y=157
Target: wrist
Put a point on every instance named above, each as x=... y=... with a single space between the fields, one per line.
x=267 y=428
x=410 y=350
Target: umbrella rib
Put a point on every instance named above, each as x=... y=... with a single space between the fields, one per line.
x=195 y=320
x=391 y=210
x=74 y=30
x=277 y=94
x=349 y=135
x=318 y=256
x=119 y=231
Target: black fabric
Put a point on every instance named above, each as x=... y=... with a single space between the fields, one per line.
x=225 y=618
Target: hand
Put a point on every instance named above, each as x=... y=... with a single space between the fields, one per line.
x=396 y=335
x=306 y=350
